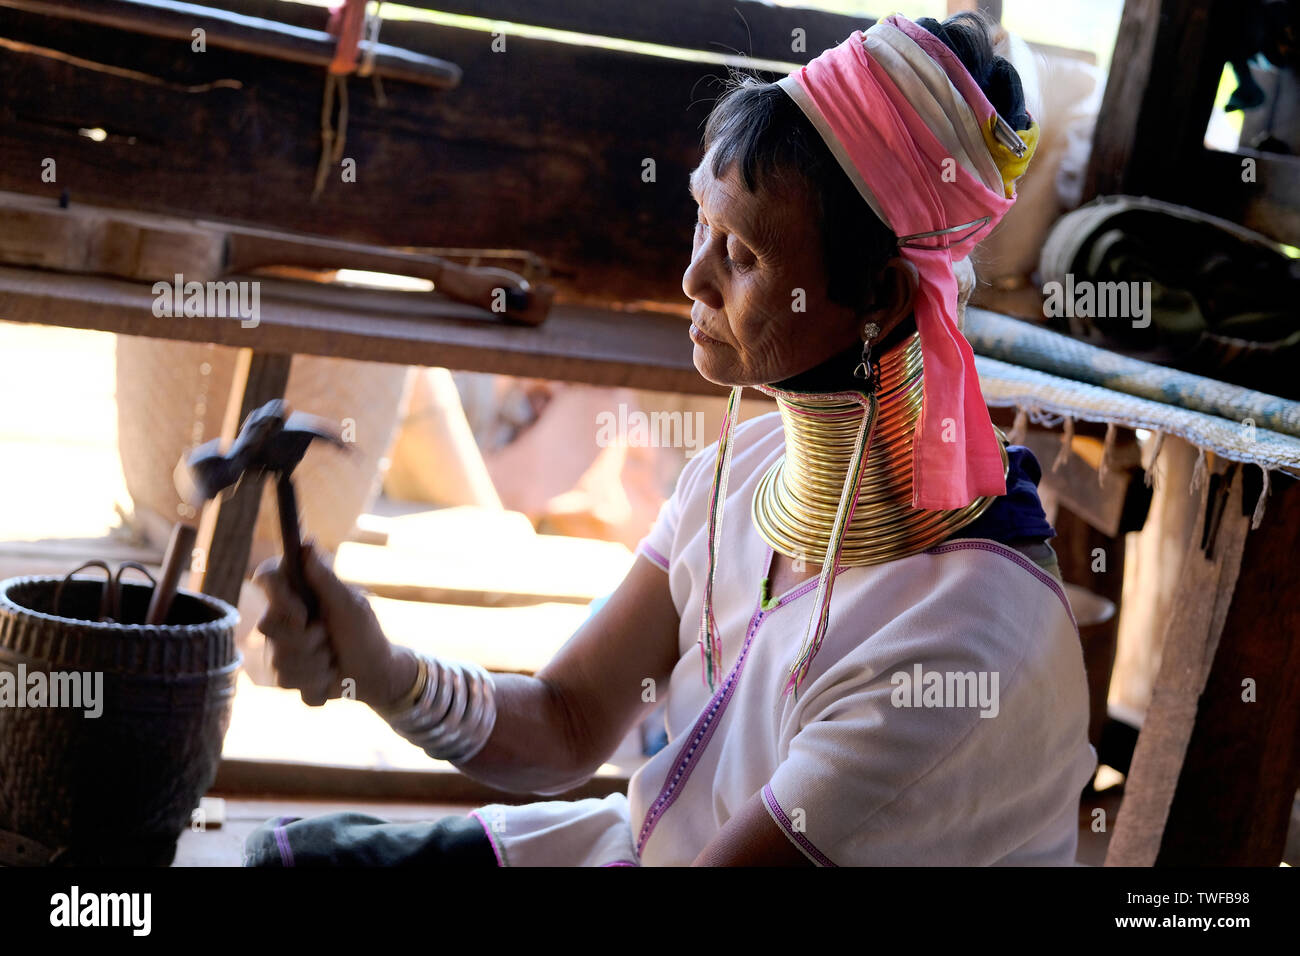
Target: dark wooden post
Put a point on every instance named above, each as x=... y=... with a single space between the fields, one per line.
x=226 y=530
x=1216 y=766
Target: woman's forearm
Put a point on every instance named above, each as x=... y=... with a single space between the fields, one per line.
x=552 y=731
x=534 y=743
x=534 y=746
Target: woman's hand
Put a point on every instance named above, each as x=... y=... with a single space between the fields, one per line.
x=345 y=644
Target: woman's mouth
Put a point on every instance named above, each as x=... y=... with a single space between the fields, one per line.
x=698 y=335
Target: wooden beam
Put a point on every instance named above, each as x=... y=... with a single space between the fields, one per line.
x=266 y=37
x=1238 y=782
x=648 y=350
x=1169 y=55
x=539 y=569
x=248 y=777
x=1191 y=641
x=226 y=529
x=554 y=164
x=758 y=29
x=1267 y=201
x=1112 y=507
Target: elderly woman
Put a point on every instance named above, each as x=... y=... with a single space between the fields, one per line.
x=934 y=712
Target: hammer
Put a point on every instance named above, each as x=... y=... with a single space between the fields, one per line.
x=271 y=441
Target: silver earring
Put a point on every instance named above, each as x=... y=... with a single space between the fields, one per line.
x=866 y=370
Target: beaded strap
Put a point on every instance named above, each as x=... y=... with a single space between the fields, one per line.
x=710 y=641
x=816 y=629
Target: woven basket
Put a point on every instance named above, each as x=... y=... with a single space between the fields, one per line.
x=117 y=789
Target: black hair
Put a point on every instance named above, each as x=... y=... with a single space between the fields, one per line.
x=758 y=126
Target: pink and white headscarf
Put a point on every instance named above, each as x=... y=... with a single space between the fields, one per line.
x=917 y=137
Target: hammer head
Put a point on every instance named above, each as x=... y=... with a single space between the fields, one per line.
x=271 y=440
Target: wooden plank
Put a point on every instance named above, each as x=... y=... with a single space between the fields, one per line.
x=1164 y=76
x=1076 y=483
x=419 y=530
x=756 y=28
x=1269 y=203
x=226 y=529
x=1131 y=73
x=271 y=726
x=553 y=164
x=1164 y=73
x=597 y=346
x=260 y=36
x=516 y=640
x=1191 y=642
x=1239 y=777
x=282 y=778
x=110 y=549
x=548 y=568
x=752 y=27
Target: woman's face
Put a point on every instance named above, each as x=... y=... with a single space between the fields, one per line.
x=758 y=282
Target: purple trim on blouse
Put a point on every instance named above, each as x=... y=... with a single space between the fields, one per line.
x=779 y=815
x=620 y=863
x=996 y=547
x=496 y=850
x=653 y=555
x=282 y=841
x=708 y=721
x=696 y=741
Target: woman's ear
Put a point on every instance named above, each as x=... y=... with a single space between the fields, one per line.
x=895 y=288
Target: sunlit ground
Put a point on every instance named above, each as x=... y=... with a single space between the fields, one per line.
x=59 y=469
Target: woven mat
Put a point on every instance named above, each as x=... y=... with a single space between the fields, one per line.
x=1010 y=340
x=1049 y=399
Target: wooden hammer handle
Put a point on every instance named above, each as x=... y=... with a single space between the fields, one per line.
x=289 y=532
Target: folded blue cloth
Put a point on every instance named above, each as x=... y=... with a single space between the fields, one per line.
x=357 y=839
x=1018 y=514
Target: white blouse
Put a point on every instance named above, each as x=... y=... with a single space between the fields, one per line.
x=943 y=721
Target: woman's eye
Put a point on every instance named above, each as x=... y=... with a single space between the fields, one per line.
x=741 y=261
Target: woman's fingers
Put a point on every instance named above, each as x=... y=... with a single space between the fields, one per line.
x=335 y=596
x=347 y=642
x=285 y=612
x=306 y=665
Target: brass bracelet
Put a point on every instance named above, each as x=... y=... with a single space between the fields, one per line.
x=409 y=699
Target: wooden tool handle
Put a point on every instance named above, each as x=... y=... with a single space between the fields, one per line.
x=180 y=548
x=497 y=290
x=289 y=532
x=34 y=231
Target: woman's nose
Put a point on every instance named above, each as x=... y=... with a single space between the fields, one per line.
x=697 y=281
